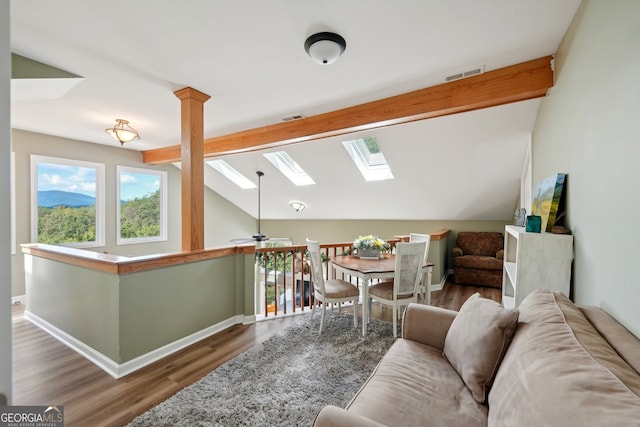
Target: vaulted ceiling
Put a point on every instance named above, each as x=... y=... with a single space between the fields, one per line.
x=126 y=59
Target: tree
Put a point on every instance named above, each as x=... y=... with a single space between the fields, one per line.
x=140 y=217
x=63 y=224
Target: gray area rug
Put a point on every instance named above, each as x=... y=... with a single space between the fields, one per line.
x=284 y=381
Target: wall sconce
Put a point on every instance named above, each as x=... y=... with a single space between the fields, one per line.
x=297 y=206
x=122 y=132
x=325 y=48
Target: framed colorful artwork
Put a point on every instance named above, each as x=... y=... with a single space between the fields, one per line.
x=548 y=202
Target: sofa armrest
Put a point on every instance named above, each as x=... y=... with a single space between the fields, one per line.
x=331 y=416
x=426 y=324
x=456 y=252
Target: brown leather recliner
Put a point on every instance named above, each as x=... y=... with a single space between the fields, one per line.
x=477 y=258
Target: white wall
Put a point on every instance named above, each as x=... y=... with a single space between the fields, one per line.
x=5 y=202
x=589 y=127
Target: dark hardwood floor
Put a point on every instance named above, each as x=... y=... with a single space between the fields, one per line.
x=46 y=372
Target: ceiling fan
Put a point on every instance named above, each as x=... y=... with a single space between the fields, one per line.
x=258 y=237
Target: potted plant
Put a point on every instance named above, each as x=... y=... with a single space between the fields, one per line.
x=370 y=246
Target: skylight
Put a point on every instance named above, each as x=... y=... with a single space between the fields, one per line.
x=366 y=154
x=289 y=168
x=230 y=173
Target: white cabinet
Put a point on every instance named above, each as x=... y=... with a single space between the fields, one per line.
x=533 y=261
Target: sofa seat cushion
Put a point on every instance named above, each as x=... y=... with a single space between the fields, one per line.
x=477 y=261
x=478 y=277
x=559 y=371
x=415 y=385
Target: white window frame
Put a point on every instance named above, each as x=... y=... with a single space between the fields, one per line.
x=231 y=174
x=162 y=175
x=100 y=197
x=289 y=168
x=372 y=166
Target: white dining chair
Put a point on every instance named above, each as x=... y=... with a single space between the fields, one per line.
x=426 y=293
x=331 y=290
x=403 y=289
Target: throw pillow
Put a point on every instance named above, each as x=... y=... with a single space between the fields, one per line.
x=477 y=341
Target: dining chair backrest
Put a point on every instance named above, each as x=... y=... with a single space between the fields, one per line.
x=313 y=247
x=409 y=262
x=415 y=237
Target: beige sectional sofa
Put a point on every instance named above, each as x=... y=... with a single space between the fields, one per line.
x=565 y=365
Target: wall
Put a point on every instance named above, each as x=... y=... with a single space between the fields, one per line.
x=219 y=213
x=124 y=321
x=333 y=231
x=82 y=302
x=5 y=197
x=588 y=127
x=160 y=306
x=224 y=220
x=27 y=143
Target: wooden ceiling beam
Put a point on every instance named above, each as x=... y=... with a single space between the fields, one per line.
x=527 y=80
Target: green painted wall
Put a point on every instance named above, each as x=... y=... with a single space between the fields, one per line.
x=588 y=127
x=77 y=300
x=160 y=306
x=127 y=316
x=332 y=231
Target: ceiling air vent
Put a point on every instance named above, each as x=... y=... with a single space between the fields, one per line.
x=296 y=117
x=469 y=73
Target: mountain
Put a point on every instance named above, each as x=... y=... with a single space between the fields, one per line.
x=52 y=198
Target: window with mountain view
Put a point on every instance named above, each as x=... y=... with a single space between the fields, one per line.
x=68 y=202
x=142 y=210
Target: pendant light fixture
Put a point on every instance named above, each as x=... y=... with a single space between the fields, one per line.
x=122 y=132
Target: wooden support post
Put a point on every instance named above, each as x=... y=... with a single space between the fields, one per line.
x=192 y=157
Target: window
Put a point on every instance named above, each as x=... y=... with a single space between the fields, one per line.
x=67 y=199
x=289 y=168
x=366 y=154
x=230 y=173
x=142 y=207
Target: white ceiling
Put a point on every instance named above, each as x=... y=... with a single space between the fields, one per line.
x=249 y=57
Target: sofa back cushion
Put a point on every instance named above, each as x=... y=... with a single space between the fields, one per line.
x=622 y=341
x=559 y=371
x=483 y=243
x=477 y=340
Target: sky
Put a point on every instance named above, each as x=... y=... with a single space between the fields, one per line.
x=74 y=179
x=79 y=179
x=134 y=184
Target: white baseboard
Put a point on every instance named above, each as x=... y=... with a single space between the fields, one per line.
x=440 y=286
x=97 y=358
x=20 y=299
x=119 y=370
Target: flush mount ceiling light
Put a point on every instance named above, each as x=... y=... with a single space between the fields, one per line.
x=122 y=132
x=325 y=47
x=297 y=206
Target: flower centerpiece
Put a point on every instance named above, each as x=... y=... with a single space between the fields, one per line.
x=369 y=247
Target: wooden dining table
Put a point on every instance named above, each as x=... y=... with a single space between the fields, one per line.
x=367 y=269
